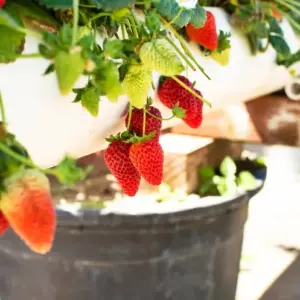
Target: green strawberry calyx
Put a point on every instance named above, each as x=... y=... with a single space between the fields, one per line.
x=131 y=138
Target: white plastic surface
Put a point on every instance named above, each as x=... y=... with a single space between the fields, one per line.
x=50 y=125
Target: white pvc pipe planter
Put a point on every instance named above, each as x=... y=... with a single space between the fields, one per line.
x=50 y=125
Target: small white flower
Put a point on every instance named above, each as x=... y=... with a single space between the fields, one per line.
x=189 y=4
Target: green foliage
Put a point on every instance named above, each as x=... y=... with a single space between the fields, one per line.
x=109 y=5
x=68 y=173
x=57 y=4
x=178 y=16
x=227 y=182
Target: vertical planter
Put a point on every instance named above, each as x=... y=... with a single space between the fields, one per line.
x=189 y=254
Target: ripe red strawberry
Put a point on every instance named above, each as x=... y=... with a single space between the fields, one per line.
x=207 y=35
x=170 y=93
x=148 y=158
x=3 y=223
x=27 y=206
x=152 y=124
x=117 y=160
x=2 y=3
x=194 y=115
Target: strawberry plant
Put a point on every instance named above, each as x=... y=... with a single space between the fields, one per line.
x=226 y=180
x=117 y=46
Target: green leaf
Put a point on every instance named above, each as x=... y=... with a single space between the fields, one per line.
x=68 y=173
x=281 y=46
x=107 y=79
x=290 y=60
x=207 y=172
x=10 y=18
x=114 y=48
x=120 y=14
x=228 y=167
x=35 y=13
x=207 y=188
x=274 y=26
x=109 y=5
x=260 y=28
x=57 y=4
x=227 y=187
x=68 y=67
x=136 y=84
x=167 y=8
x=161 y=57
x=11 y=44
x=153 y=22
x=247 y=181
x=198 y=16
x=90 y=101
x=178 y=112
x=183 y=19
x=223 y=41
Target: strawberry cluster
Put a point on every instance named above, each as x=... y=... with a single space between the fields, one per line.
x=170 y=93
x=137 y=153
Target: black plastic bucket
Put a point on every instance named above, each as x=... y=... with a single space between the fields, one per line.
x=192 y=255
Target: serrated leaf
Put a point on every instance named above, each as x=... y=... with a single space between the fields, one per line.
x=109 y=5
x=68 y=67
x=107 y=80
x=223 y=41
x=153 y=22
x=136 y=84
x=183 y=19
x=11 y=44
x=161 y=57
x=90 y=101
x=198 y=16
x=114 y=49
x=68 y=173
x=228 y=167
x=57 y=4
x=167 y=8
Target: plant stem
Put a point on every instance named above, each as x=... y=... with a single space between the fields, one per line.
x=123 y=31
x=157 y=118
x=293 y=2
x=290 y=19
x=88 y=5
x=75 y=21
x=24 y=160
x=289 y=6
x=144 y=120
x=176 y=17
x=190 y=90
x=3 y=116
x=129 y=117
x=180 y=53
x=30 y=55
x=184 y=47
x=100 y=15
x=133 y=26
